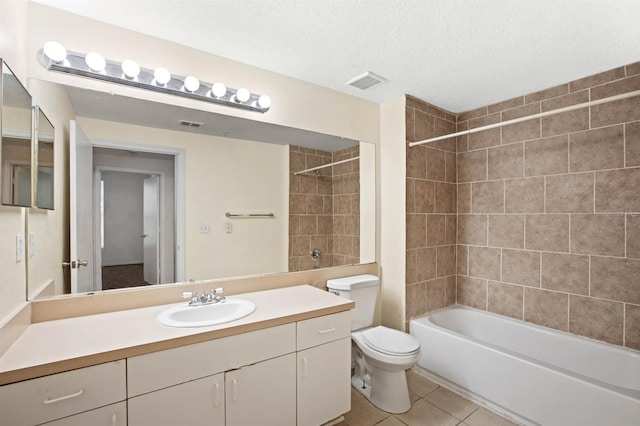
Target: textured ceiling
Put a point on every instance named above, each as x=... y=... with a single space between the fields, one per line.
x=456 y=54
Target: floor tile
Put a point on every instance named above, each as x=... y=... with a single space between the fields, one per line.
x=419 y=386
x=362 y=413
x=484 y=417
x=423 y=413
x=451 y=403
x=391 y=421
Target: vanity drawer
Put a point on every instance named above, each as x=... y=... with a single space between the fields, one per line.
x=59 y=395
x=158 y=370
x=316 y=331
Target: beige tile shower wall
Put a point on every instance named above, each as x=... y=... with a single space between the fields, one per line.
x=324 y=209
x=310 y=209
x=431 y=210
x=549 y=210
x=346 y=207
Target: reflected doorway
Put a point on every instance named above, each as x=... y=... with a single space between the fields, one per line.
x=135 y=217
x=130 y=225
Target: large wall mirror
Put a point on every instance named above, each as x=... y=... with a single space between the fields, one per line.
x=16 y=149
x=166 y=194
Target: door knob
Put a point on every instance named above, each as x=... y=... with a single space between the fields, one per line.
x=74 y=264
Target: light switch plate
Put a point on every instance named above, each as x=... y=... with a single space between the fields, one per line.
x=19 y=248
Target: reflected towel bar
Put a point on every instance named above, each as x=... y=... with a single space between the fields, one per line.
x=249 y=214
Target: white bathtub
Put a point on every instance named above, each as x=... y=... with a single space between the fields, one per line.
x=534 y=375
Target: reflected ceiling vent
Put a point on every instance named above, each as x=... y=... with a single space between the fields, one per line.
x=190 y=123
x=366 y=81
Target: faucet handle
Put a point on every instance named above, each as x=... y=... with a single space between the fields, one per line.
x=191 y=295
x=218 y=294
x=218 y=290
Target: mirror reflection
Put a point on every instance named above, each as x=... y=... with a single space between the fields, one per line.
x=168 y=194
x=16 y=142
x=44 y=183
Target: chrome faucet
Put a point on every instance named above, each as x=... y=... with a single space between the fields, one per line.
x=215 y=296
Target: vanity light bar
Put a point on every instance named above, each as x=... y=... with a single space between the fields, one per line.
x=128 y=73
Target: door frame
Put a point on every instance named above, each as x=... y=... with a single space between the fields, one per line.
x=179 y=194
x=97 y=222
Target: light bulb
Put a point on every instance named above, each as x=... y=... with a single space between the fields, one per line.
x=218 y=90
x=264 y=101
x=130 y=68
x=95 y=61
x=55 y=51
x=191 y=83
x=162 y=76
x=242 y=95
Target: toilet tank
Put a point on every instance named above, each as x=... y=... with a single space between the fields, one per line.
x=363 y=290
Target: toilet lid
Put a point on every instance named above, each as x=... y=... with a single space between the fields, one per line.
x=390 y=341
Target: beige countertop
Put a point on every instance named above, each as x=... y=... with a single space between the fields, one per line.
x=59 y=345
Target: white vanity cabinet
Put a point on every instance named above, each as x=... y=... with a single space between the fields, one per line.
x=263 y=394
x=61 y=395
x=217 y=382
x=195 y=403
x=324 y=368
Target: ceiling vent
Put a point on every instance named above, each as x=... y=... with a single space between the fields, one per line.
x=366 y=81
x=190 y=123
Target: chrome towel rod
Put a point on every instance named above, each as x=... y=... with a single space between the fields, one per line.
x=531 y=117
x=249 y=214
x=327 y=165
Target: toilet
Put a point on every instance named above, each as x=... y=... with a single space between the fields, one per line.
x=380 y=354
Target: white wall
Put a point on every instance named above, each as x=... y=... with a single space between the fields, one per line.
x=222 y=175
x=13 y=20
x=393 y=201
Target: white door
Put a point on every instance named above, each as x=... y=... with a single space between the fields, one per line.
x=151 y=229
x=81 y=210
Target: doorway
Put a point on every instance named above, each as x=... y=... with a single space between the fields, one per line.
x=130 y=223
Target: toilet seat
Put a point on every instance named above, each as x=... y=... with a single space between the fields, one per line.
x=390 y=342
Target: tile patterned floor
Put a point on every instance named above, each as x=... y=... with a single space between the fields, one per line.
x=432 y=405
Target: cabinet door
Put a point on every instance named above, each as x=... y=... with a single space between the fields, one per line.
x=262 y=394
x=199 y=402
x=111 y=415
x=324 y=383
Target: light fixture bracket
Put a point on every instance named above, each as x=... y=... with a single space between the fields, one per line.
x=75 y=64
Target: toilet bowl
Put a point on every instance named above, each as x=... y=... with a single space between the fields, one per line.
x=380 y=354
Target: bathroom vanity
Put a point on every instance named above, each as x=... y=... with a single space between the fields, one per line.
x=288 y=363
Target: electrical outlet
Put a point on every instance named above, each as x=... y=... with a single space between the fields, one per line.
x=204 y=228
x=19 y=248
x=228 y=227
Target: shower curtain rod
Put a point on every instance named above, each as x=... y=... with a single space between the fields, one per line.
x=530 y=117
x=326 y=165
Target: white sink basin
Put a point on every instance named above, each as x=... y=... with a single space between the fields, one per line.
x=204 y=315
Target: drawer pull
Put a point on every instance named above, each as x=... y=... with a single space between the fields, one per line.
x=304 y=366
x=62 y=398
x=328 y=330
x=114 y=419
